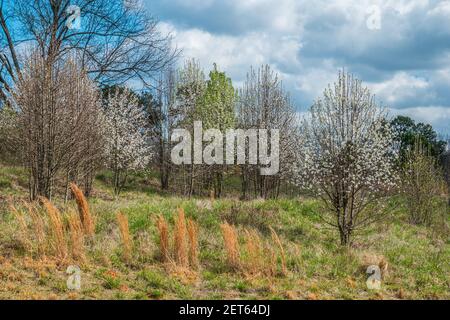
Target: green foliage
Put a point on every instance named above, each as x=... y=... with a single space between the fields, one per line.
x=216 y=107
x=423 y=186
x=407 y=133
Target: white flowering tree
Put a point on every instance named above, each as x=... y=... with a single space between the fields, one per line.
x=127 y=147
x=346 y=156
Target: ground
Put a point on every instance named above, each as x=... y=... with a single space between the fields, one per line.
x=317 y=266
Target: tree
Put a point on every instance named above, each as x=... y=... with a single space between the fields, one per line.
x=190 y=88
x=162 y=118
x=406 y=133
x=264 y=104
x=115 y=43
x=216 y=110
x=127 y=145
x=58 y=116
x=423 y=184
x=8 y=134
x=445 y=159
x=346 y=157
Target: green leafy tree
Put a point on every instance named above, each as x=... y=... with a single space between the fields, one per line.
x=407 y=133
x=217 y=105
x=216 y=110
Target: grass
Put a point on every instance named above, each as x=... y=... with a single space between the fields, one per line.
x=274 y=249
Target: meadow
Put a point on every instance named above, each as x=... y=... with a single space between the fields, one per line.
x=145 y=244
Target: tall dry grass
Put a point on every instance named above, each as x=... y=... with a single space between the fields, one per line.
x=23 y=233
x=76 y=237
x=39 y=230
x=254 y=249
x=185 y=250
x=122 y=221
x=277 y=241
x=163 y=230
x=192 y=229
x=83 y=210
x=231 y=243
x=180 y=239
x=56 y=227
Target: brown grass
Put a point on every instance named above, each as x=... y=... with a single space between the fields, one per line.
x=180 y=239
x=163 y=230
x=23 y=234
x=76 y=237
x=38 y=228
x=276 y=239
x=254 y=250
x=83 y=210
x=231 y=244
x=192 y=229
x=56 y=227
x=122 y=220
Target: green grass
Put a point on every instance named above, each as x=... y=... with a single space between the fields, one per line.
x=318 y=266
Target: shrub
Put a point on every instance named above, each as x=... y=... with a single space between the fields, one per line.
x=423 y=185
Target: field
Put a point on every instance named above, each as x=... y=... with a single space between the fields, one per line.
x=284 y=251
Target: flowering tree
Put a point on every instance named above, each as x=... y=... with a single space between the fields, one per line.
x=126 y=145
x=190 y=88
x=346 y=156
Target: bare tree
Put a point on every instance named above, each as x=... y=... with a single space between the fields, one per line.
x=58 y=109
x=115 y=43
x=346 y=156
x=166 y=118
x=264 y=104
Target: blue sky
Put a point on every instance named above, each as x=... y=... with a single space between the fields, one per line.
x=406 y=61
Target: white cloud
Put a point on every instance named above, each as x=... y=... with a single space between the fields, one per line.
x=308 y=42
x=235 y=54
x=400 y=87
x=437 y=116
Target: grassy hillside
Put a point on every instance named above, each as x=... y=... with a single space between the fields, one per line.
x=309 y=264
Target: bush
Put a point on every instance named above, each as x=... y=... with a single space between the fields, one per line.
x=424 y=188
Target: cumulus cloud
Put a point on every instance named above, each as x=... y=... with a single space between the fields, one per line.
x=406 y=62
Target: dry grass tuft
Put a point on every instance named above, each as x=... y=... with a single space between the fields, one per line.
x=192 y=229
x=185 y=250
x=38 y=229
x=254 y=250
x=122 y=220
x=276 y=239
x=180 y=239
x=83 y=209
x=231 y=244
x=76 y=237
x=163 y=230
x=23 y=235
x=57 y=229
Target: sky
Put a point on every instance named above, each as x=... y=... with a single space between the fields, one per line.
x=400 y=49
